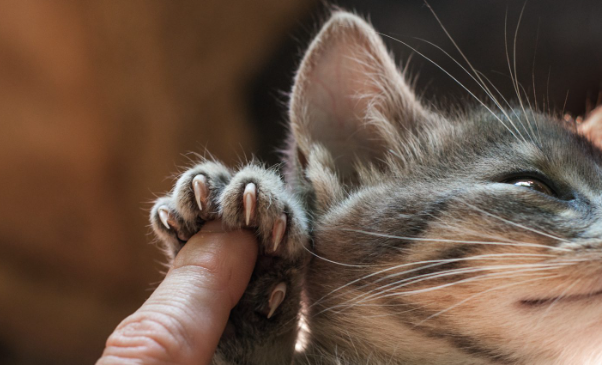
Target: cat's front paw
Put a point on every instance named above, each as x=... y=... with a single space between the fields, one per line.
x=257 y=198
x=193 y=201
x=251 y=198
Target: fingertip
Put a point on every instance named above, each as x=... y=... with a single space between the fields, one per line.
x=227 y=258
x=184 y=318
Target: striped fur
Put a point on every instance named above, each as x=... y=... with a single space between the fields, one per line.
x=424 y=251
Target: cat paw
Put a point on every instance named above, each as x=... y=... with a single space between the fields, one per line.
x=257 y=198
x=251 y=198
x=193 y=201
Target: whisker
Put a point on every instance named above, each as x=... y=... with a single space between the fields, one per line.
x=478 y=294
x=352 y=303
x=497 y=91
x=549 y=308
x=420 y=239
x=413 y=280
x=566 y=98
x=425 y=265
x=463 y=270
x=421 y=278
x=458 y=82
x=534 y=58
x=519 y=225
x=527 y=269
x=430 y=264
x=332 y=261
x=513 y=77
x=495 y=238
x=478 y=82
x=483 y=85
x=549 y=108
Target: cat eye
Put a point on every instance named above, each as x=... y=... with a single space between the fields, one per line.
x=533 y=184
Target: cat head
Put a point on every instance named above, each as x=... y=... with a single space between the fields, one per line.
x=474 y=236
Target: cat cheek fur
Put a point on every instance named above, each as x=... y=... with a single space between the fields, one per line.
x=369 y=159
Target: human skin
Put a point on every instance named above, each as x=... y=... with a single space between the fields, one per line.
x=182 y=321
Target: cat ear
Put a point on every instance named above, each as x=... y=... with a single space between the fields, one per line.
x=349 y=99
x=592 y=127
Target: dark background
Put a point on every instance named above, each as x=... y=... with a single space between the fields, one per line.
x=558 y=53
x=101 y=103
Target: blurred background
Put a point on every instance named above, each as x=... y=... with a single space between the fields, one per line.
x=101 y=104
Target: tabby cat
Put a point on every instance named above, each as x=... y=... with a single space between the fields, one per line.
x=404 y=234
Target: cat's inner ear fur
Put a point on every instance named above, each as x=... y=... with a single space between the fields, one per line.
x=349 y=101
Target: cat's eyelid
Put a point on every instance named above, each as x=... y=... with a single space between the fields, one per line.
x=558 y=189
x=533 y=184
x=522 y=173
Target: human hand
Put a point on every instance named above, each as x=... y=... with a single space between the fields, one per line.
x=182 y=321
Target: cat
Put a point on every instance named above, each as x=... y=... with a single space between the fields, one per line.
x=405 y=234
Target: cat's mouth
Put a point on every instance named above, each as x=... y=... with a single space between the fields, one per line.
x=560 y=299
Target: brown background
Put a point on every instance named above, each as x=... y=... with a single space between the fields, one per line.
x=100 y=102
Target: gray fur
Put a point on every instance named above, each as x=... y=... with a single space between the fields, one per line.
x=424 y=250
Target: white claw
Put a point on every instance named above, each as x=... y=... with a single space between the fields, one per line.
x=199 y=185
x=276 y=298
x=278 y=231
x=164 y=216
x=249 y=200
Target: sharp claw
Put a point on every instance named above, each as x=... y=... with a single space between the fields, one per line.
x=278 y=231
x=276 y=298
x=164 y=216
x=199 y=185
x=249 y=200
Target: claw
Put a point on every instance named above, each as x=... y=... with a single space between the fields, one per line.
x=199 y=185
x=276 y=298
x=278 y=231
x=164 y=216
x=249 y=200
